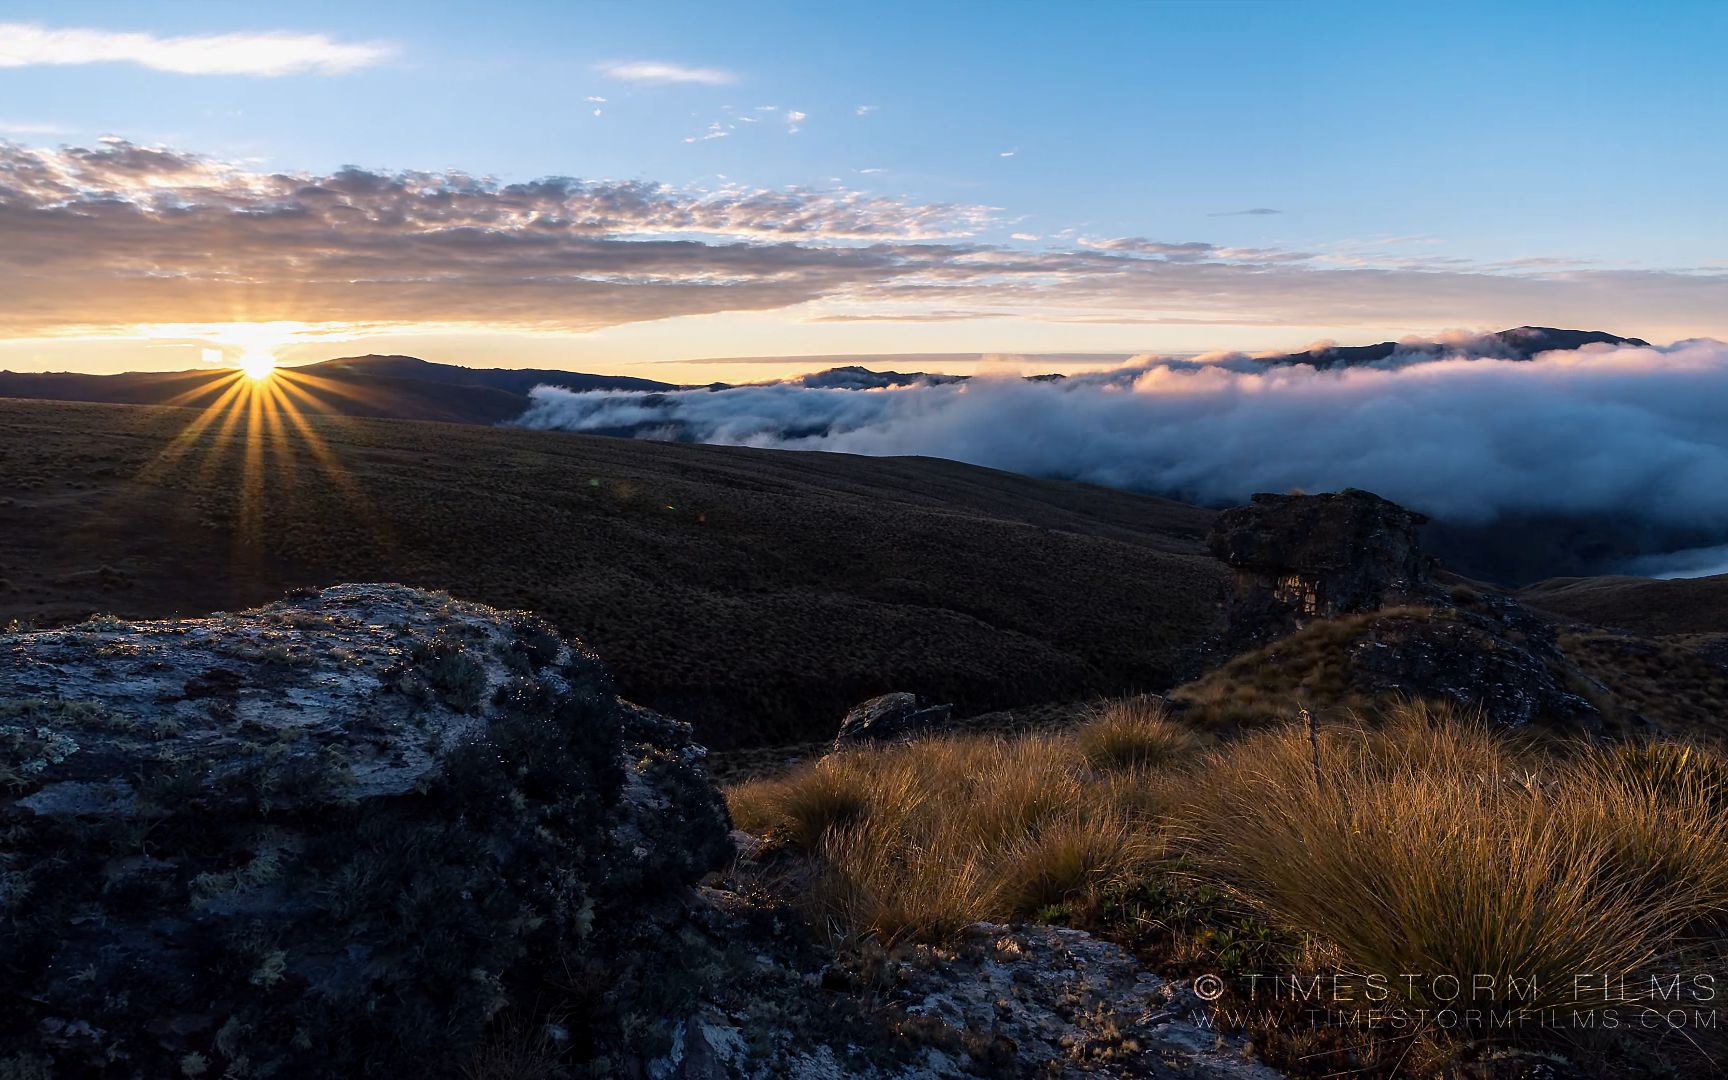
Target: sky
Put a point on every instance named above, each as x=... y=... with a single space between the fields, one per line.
x=682 y=190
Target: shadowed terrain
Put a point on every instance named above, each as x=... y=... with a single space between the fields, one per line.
x=1646 y=605
x=756 y=593
x=403 y=387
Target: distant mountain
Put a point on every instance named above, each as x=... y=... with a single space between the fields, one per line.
x=409 y=388
x=853 y=377
x=1518 y=343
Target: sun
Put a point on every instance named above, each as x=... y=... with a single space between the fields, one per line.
x=258 y=364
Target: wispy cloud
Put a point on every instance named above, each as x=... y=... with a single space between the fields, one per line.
x=795 y=121
x=28 y=127
x=661 y=72
x=864 y=110
x=1254 y=211
x=262 y=54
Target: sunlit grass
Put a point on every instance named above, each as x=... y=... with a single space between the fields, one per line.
x=1424 y=842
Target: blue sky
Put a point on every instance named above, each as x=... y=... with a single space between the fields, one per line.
x=1470 y=163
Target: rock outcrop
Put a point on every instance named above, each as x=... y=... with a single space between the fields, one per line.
x=889 y=718
x=352 y=833
x=997 y=1001
x=1301 y=557
x=1335 y=606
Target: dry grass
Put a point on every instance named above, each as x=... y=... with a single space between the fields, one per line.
x=1135 y=734
x=1438 y=849
x=917 y=840
x=1429 y=844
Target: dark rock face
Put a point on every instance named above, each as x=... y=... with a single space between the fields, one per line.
x=1345 y=572
x=1300 y=557
x=1501 y=663
x=337 y=836
x=890 y=717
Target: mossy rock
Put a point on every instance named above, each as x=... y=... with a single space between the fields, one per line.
x=216 y=863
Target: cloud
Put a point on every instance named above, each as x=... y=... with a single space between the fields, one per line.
x=660 y=73
x=1691 y=563
x=261 y=54
x=120 y=234
x=795 y=121
x=26 y=127
x=1632 y=432
x=1008 y=153
x=1257 y=211
x=864 y=110
x=1023 y=236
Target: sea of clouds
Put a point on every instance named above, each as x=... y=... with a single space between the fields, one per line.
x=1640 y=434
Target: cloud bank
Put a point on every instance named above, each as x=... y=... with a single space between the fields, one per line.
x=1632 y=432
x=266 y=54
x=111 y=236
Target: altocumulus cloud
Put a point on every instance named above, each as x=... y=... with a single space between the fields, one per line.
x=1635 y=432
x=263 y=54
x=121 y=234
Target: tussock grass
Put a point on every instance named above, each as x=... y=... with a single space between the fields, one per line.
x=1427 y=843
x=917 y=840
x=1439 y=850
x=1135 y=733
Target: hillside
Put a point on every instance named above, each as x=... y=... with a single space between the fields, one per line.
x=1645 y=605
x=403 y=387
x=756 y=593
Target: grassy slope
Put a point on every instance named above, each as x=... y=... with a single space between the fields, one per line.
x=756 y=593
x=1684 y=606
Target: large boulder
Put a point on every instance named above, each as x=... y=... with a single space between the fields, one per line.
x=1302 y=557
x=890 y=718
x=358 y=831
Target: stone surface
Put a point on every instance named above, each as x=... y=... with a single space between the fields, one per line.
x=1000 y=1001
x=889 y=718
x=1302 y=557
x=345 y=834
x=1495 y=660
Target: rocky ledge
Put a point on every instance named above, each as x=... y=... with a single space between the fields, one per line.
x=353 y=832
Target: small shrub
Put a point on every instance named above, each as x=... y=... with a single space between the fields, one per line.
x=441 y=668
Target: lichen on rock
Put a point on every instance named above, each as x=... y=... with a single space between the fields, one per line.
x=338 y=835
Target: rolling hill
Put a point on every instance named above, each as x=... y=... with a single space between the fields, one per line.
x=1644 y=605
x=401 y=387
x=756 y=593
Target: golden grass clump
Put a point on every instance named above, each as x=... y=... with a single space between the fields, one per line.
x=1434 y=848
x=919 y=839
x=1135 y=733
x=1442 y=862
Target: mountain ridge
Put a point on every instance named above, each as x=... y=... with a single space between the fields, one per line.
x=401 y=387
